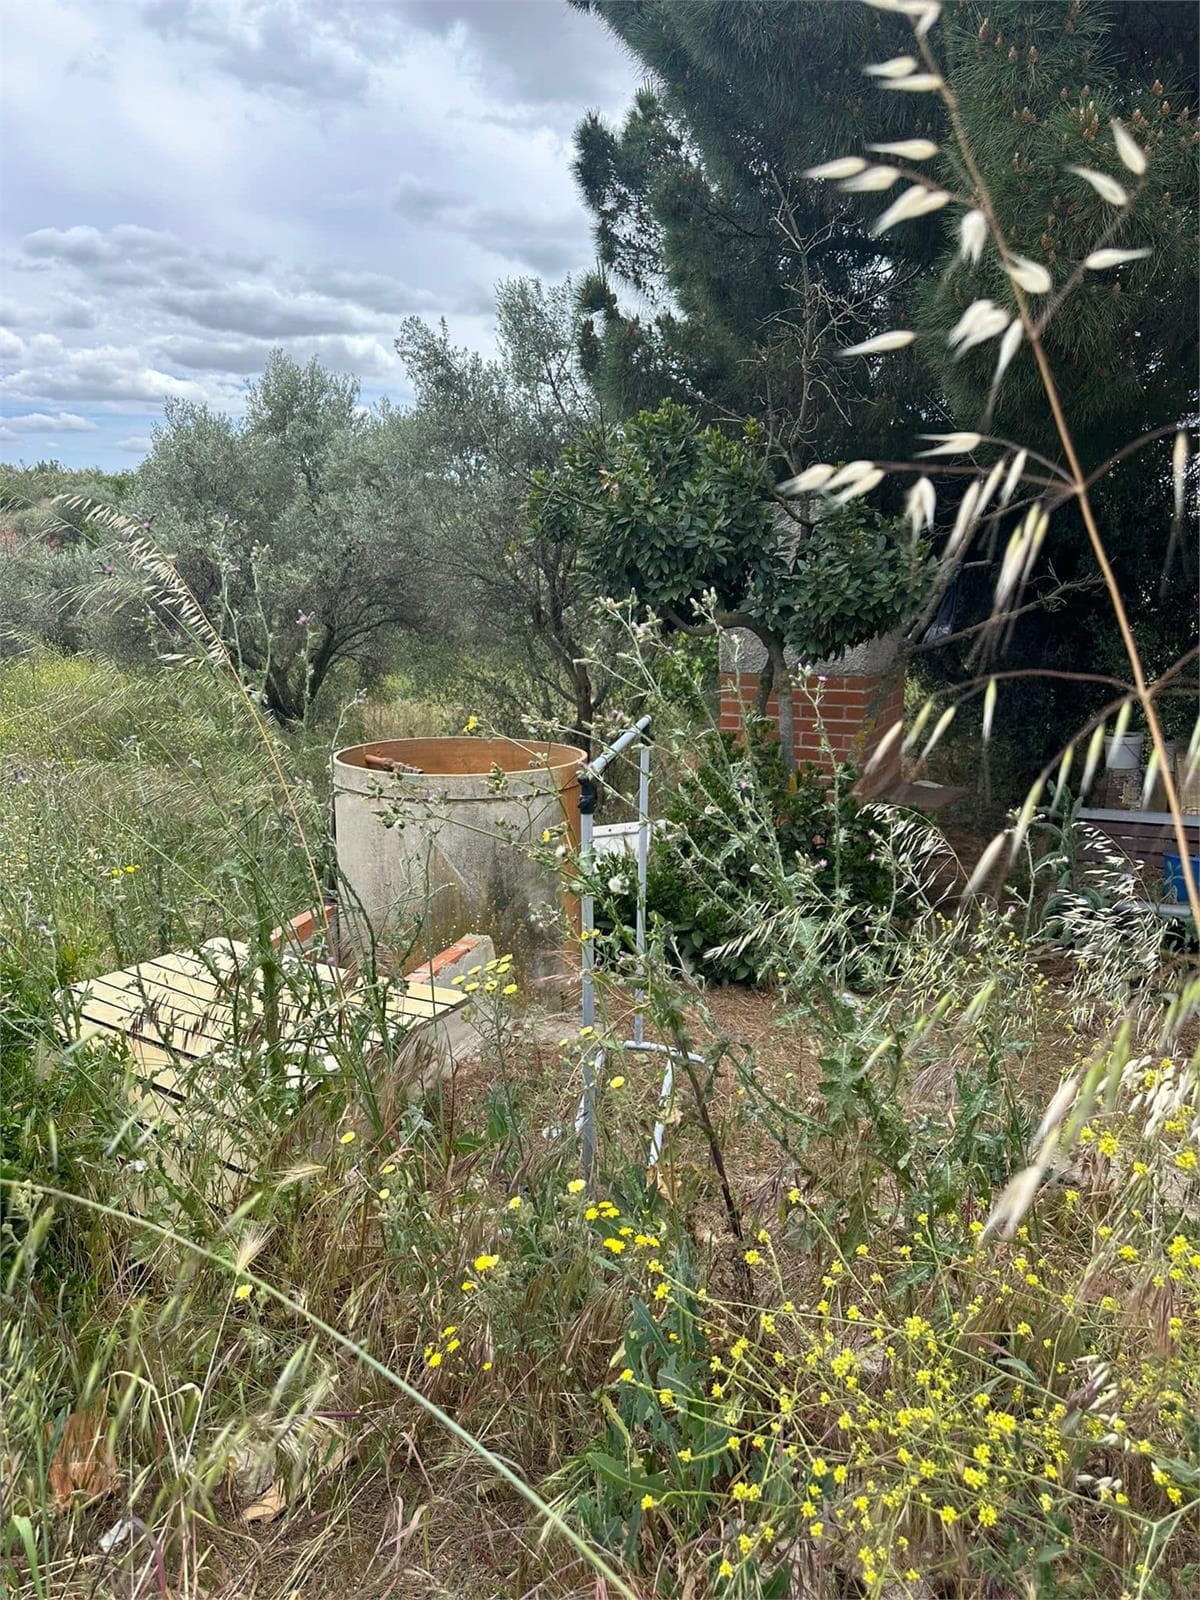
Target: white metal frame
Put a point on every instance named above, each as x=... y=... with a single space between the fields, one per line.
x=590 y=777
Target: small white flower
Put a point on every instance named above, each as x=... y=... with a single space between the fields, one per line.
x=850 y=473
x=814 y=477
x=916 y=201
x=872 y=181
x=921 y=505
x=1015 y=473
x=1030 y=275
x=982 y=320
x=918 y=83
x=907 y=149
x=1179 y=460
x=862 y=485
x=895 y=340
x=618 y=885
x=953 y=444
x=897 y=67
x=1008 y=347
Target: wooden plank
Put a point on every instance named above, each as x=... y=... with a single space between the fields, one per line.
x=177 y=1006
x=448 y=999
x=163 y=1006
x=135 y=1023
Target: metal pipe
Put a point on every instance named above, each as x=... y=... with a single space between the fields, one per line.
x=587 y=1106
x=589 y=775
x=643 y=859
x=596 y=767
x=660 y=1126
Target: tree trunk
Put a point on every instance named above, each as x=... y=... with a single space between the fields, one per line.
x=584 y=708
x=766 y=681
x=782 y=680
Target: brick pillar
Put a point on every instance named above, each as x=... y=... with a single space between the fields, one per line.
x=840 y=710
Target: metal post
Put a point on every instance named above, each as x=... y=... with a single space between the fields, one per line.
x=665 y=1095
x=643 y=857
x=586 y=1120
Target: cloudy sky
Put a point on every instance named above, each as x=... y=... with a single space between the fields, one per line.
x=186 y=183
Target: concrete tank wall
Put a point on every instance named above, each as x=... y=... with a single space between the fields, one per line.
x=441 y=847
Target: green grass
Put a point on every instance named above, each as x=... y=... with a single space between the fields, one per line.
x=692 y=1380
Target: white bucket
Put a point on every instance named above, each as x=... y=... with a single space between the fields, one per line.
x=1124 y=754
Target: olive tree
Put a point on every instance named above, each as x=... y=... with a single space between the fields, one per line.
x=465 y=456
x=280 y=526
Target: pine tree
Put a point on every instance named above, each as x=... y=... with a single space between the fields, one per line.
x=729 y=281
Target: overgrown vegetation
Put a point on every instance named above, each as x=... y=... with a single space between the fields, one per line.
x=885 y=1279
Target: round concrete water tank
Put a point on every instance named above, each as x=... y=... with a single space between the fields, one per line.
x=431 y=836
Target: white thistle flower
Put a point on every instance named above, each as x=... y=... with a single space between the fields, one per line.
x=920 y=505
x=1030 y=275
x=1107 y=188
x=895 y=340
x=872 y=180
x=952 y=444
x=907 y=149
x=841 y=167
x=1101 y=260
x=916 y=201
x=972 y=235
x=897 y=67
x=814 y=477
x=1131 y=153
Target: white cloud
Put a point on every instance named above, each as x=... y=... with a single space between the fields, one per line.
x=42 y=422
x=138 y=444
x=103 y=375
x=294 y=173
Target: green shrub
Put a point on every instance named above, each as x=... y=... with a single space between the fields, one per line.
x=742 y=803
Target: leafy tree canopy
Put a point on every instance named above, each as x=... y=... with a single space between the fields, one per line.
x=750 y=277
x=682 y=517
x=729 y=281
x=278 y=525
x=463 y=458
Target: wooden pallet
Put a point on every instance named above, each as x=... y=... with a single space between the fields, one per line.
x=179 y=1009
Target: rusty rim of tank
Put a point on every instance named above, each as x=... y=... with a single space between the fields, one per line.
x=461 y=757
